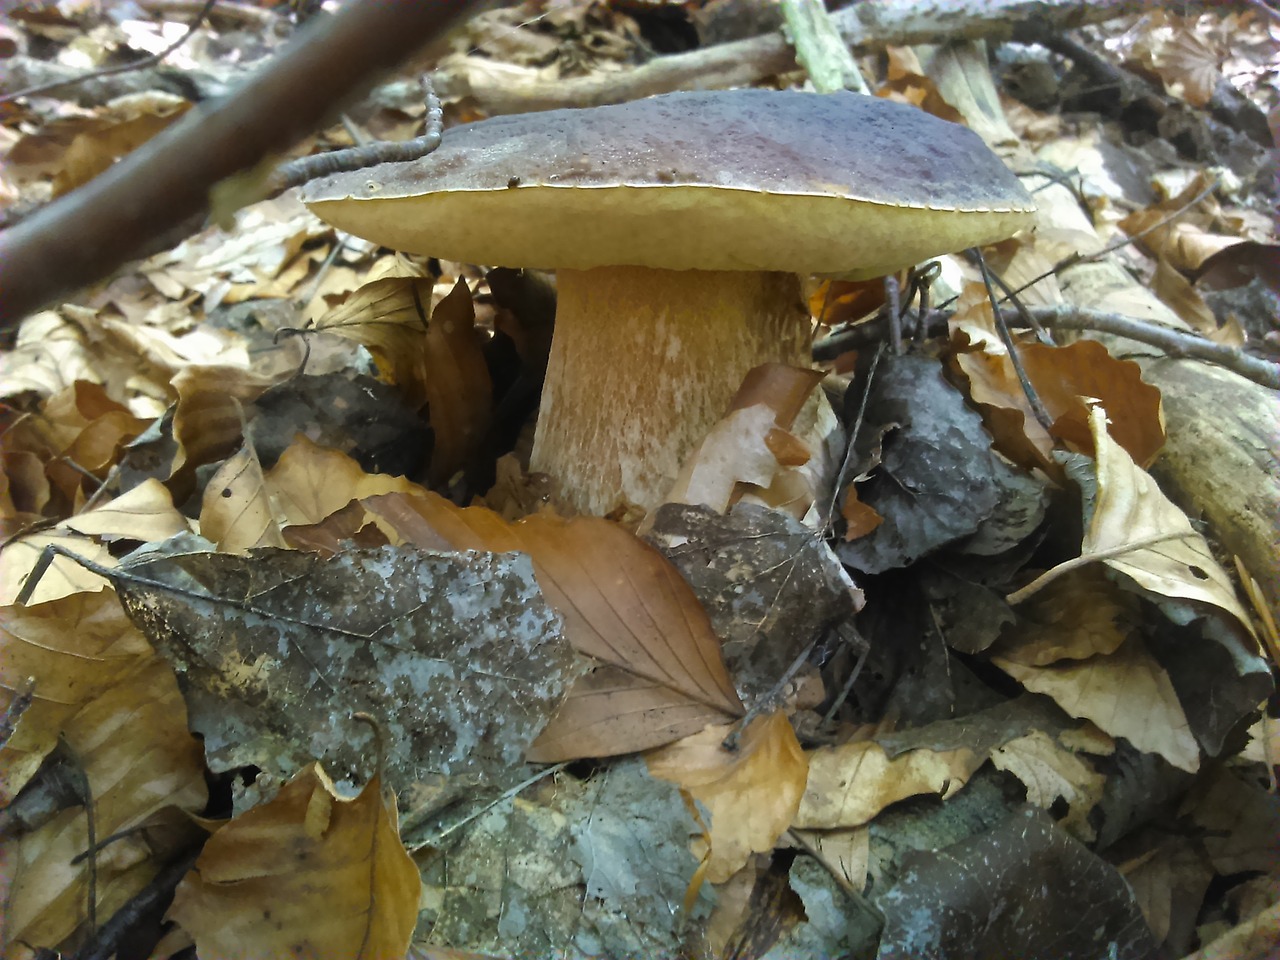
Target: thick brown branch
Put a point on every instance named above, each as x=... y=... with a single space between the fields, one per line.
x=132 y=208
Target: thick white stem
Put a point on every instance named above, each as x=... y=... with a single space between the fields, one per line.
x=643 y=362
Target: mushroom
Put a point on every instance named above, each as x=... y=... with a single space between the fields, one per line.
x=677 y=226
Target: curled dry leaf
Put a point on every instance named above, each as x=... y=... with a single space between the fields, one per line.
x=334 y=873
x=751 y=449
x=1061 y=377
x=1126 y=693
x=752 y=793
x=850 y=784
x=661 y=674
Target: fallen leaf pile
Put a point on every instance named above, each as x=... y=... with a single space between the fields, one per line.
x=296 y=658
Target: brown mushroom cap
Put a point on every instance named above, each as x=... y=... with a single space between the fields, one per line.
x=838 y=184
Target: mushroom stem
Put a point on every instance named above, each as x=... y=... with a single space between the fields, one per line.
x=643 y=363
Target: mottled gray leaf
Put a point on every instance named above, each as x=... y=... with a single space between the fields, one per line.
x=1025 y=889
x=937 y=479
x=456 y=656
x=770 y=585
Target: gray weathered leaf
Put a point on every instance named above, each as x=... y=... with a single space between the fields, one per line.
x=457 y=656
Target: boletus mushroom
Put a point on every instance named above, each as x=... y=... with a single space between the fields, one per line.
x=677 y=226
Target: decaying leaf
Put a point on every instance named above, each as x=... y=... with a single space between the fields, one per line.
x=74 y=648
x=1061 y=377
x=937 y=479
x=132 y=743
x=660 y=675
x=752 y=793
x=307 y=874
x=455 y=655
x=851 y=783
x=1126 y=693
x=770 y=586
x=955 y=902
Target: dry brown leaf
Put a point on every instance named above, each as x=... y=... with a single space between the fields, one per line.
x=1050 y=772
x=1126 y=693
x=1061 y=377
x=1139 y=533
x=309 y=483
x=459 y=392
x=1176 y=292
x=1074 y=618
x=390 y=317
x=850 y=784
x=133 y=745
x=124 y=125
x=623 y=604
x=307 y=874
x=144 y=513
x=208 y=420
x=752 y=793
x=238 y=512
x=843 y=301
x=74 y=649
x=64 y=577
x=860 y=518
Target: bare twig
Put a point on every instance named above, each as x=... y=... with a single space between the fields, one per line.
x=747 y=62
x=1033 y=398
x=122 y=68
x=298 y=172
x=1173 y=342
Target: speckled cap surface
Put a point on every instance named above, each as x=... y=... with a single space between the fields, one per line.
x=724 y=180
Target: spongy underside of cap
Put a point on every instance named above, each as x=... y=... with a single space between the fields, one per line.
x=673 y=228
x=728 y=180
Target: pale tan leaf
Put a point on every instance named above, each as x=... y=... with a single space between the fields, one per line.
x=1049 y=772
x=238 y=512
x=310 y=483
x=1126 y=693
x=1131 y=509
x=63 y=577
x=1075 y=617
x=70 y=650
x=144 y=513
x=845 y=853
x=752 y=793
x=133 y=744
x=307 y=874
x=850 y=784
x=1138 y=532
x=622 y=602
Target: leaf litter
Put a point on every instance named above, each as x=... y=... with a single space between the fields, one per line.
x=893 y=794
